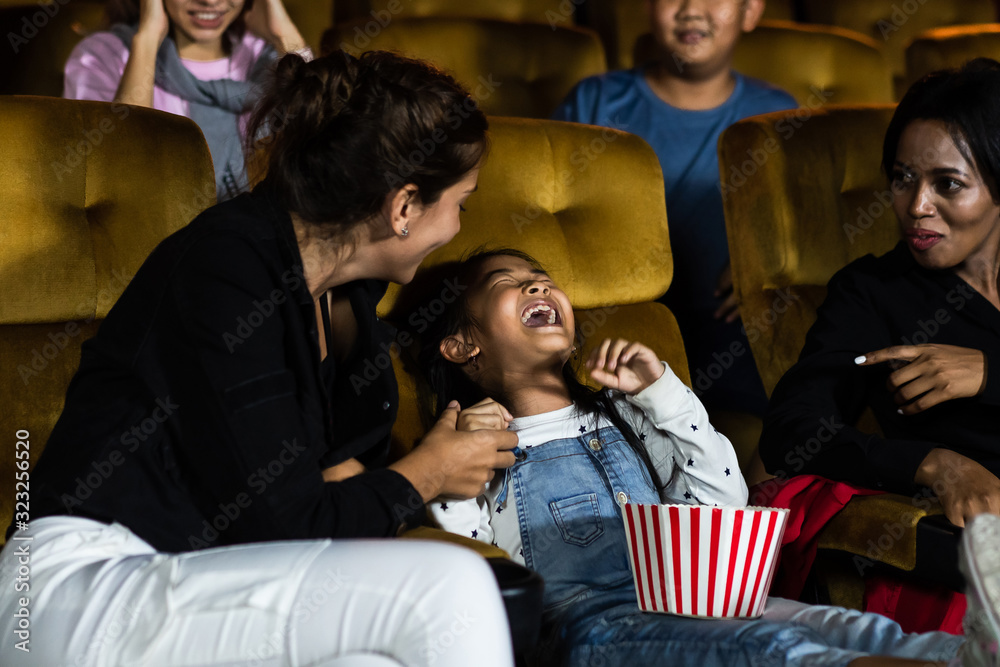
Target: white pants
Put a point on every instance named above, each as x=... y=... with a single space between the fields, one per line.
x=98 y=596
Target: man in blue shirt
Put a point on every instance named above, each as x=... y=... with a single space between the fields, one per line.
x=680 y=104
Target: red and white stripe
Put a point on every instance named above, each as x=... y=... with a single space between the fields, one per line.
x=711 y=562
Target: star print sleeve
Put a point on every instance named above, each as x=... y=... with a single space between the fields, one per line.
x=470 y=518
x=698 y=461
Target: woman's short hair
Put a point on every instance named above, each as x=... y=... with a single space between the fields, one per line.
x=967 y=101
x=341 y=133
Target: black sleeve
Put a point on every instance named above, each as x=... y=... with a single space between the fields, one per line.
x=244 y=435
x=991 y=392
x=809 y=426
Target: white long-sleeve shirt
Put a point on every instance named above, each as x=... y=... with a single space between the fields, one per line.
x=685 y=449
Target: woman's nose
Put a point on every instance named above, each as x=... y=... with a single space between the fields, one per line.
x=921 y=204
x=537 y=288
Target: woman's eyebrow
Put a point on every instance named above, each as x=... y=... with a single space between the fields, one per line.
x=948 y=171
x=937 y=171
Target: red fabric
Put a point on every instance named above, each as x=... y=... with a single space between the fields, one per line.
x=813 y=501
x=916 y=607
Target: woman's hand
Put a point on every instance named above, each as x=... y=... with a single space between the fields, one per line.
x=154 y=24
x=136 y=85
x=623 y=365
x=269 y=20
x=729 y=309
x=342 y=471
x=932 y=374
x=487 y=414
x=456 y=464
x=964 y=487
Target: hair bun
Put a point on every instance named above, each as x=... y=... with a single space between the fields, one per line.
x=343 y=132
x=316 y=90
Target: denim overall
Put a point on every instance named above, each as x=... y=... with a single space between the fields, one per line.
x=567 y=492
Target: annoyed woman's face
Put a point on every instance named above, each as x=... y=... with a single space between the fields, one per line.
x=946 y=212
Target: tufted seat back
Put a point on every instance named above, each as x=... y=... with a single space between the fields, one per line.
x=944 y=48
x=803 y=195
x=87 y=190
x=511 y=69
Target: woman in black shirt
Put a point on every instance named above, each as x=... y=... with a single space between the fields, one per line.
x=210 y=411
x=914 y=334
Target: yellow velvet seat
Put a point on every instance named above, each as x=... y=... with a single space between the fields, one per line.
x=621 y=23
x=804 y=195
x=893 y=23
x=87 y=190
x=598 y=225
x=943 y=48
x=817 y=65
x=512 y=69
x=538 y=11
x=38 y=38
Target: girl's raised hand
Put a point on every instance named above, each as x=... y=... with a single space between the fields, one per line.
x=269 y=20
x=487 y=414
x=624 y=365
x=154 y=24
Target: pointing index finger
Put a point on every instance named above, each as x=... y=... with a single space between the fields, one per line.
x=904 y=352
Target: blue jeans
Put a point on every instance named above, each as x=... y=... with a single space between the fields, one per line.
x=572 y=533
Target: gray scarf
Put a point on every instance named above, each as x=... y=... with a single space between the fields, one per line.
x=215 y=106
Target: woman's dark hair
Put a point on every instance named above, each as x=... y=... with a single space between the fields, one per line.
x=341 y=133
x=127 y=12
x=444 y=381
x=967 y=101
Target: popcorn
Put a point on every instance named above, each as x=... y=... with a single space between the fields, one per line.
x=706 y=562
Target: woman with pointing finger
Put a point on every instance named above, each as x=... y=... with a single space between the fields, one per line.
x=915 y=334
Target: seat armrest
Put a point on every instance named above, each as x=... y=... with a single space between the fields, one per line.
x=894 y=531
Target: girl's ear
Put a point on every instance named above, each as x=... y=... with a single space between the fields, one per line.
x=403 y=209
x=456 y=350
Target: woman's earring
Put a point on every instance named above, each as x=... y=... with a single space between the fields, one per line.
x=474 y=359
x=574 y=352
x=405 y=231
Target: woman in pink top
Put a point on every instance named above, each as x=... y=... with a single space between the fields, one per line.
x=196 y=58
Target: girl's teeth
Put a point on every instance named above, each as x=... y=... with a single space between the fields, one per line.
x=535 y=309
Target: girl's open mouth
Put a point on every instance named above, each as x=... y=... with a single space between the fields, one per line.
x=540 y=314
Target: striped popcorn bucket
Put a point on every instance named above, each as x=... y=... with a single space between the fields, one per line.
x=706 y=562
